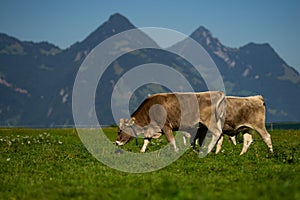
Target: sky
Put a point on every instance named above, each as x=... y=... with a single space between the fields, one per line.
x=235 y=23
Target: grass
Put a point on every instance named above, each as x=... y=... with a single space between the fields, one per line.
x=54 y=164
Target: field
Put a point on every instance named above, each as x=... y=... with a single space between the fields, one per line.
x=54 y=164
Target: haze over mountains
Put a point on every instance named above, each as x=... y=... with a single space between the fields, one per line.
x=36 y=79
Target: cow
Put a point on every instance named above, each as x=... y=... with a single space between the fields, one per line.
x=245 y=115
x=167 y=112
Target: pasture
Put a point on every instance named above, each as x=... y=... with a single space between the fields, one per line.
x=54 y=164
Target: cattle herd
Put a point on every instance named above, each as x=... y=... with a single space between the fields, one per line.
x=196 y=114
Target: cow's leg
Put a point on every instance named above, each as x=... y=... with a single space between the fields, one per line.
x=146 y=142
x=212 y=143
x=186 y=136
x=219 y=144
x=266 y=137
x=216 y=134
x=194 y=143
x=195 y=139
x=233 y=140
x=170 y=137
x=247 y=141
x=184 y=140
x=202 y=131
x=200 y=136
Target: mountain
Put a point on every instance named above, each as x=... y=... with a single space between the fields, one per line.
x=256 y=69
x=36 y=79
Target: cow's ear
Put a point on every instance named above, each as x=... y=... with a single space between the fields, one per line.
x=131 y=121
x=121 y=122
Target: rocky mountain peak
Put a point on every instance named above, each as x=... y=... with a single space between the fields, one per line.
x=203 y=35
x=119 y=19
x=115 y=24
x=203 y=31
x=206 y=39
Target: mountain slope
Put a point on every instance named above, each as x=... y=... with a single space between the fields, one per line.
x=26 y=69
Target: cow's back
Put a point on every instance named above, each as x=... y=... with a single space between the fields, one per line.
x=244 y=111
x=182 y=109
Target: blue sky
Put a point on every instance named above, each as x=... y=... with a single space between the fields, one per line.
x=235 y=23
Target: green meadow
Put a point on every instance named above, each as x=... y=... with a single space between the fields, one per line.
x=54 y=164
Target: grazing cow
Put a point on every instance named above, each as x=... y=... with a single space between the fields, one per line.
x=243 y=114
x=164 y=113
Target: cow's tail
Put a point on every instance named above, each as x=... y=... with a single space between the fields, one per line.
x=219 y=106
x=221 y=109
x=263 y=106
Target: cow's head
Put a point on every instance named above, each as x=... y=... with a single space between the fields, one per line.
x=126 y=131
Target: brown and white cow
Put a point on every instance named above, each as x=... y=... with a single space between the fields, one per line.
x=243 y=114
x=167 y=112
